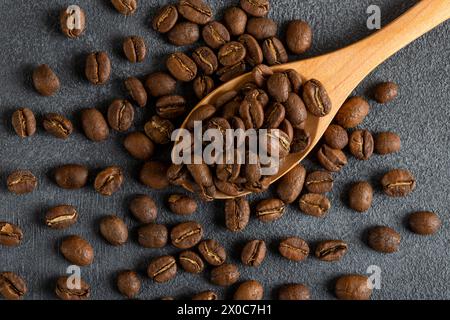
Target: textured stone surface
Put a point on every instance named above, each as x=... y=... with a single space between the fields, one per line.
x=30 y=36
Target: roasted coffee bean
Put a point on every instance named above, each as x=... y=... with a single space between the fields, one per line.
x=237 y=123
x=65 y=291
x=125 y=7
x=191 y=262
x=295 y=110
x=231 y=53
x=166 y=19
x=57 y=125
x=229 y=188
x=10 y=234
x=294 y=249
x=236 y=20
x=181 y=67
x=231 y=109
x=398 y=183
x=387 y=142
x=72 y=21
x=298 y=36
x=336 y=137
x=201 y=114
x=71 y=176
x=352 y=113
x=291 y=184
x=385 y=92
x=114 y=230
x=225 y=275
x=77 y=251
x=160 y=84
x=206 y=295
x=196 y=11
x=360 y=196
x=226 y=74
x=237 y=214
x=256 y=8
x=178 y=175
x=162 y=269
x=136 y=90
x=383 y=239
x=270 y=210
x=159 y=130
x=274 y=51
x=361 y=144
x=424 y=222
x=319 y=182
x=120 y=115
x=353 y=287
x=98 y=68
x=128 y=283
x=135 y=49
x=202 y=176
x=279 y=87
x=94 y=124
x=274 y=115
x=212 y=252
x=331 y=250
x=261 y=73
x=24 y=122
x=153 y=235
x=109 y=180
x=186 y=235
x=331 y=159
x=253 y=253
x=170 y=107
x=45 y=81
x=278 y=142
x=206 y=60
x=143 y=208
x=139 y=146
x=215 y=35
x=262 y=28
x=203 y=85
x=184 y=34
x=316 y=98
x=21 y=182
x=182 y=205
x=252 y=113
x=300 y=141
x=249 y=290
x=294 y=292
x=287 y=128
x=12 y=286
x=258 y=186
x=154 y=175
x=296 y=80
x=314 y=204
x=61 y=217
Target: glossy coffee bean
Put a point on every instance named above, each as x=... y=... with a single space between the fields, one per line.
x=10 y=234
x=45 y=81
x=170 y=107
x=319 y=182
x=228 y=73
x=77 y=251
x=139 y=146
x=291 y=184
x=331 y=159
x=331 y=250
x=143 y=208
x=191 y=262
x=12 y=286
x=98 y=68
x=231 y=53
x=196 y=11
x=361 y=144
x=202 y=176
x=336 y=137
x=72 y=21
x=261 y=28
x=24 y=122
x=108 y=181
x=162 y=269
x=125 y=7
x=215 y=35
x=21 y=182
x=424 y=222
x=154 y=175
x=294 y=249
x=57 y=125
x=159 y=130
x=182 y=205
x=251 y=290
x=295 y=110
x=71 y=176
x=360 y=196
x=114 y=230
x=237 y=214
x=298 y=36
x=274 y=51
x=160 y=84
x=386 y=92
x=186 y=235
x=383 y=239
x=181 y=67
x=295 y=291
x=300 y=141
x=256 y=8
x=225 y=275
x=67 y=290
x=184 y=33
x=136 y=91
x=252 y=113
x=94 y=125
x=279 y=87
x=353 y=287
x=153 y=235
x=387 y=142
x=398 y=183
x=316 y=98
x=135 y=49
x=128 y=283
x=61 y=217
x=352 y=113
x=120 y=115
x=212 y=252
x=260 y=74
x=253 y=253
x=313 y=204
x=165 y=19
x=254 y=54
x=206 y=60
x=270 y=210
x=203 y=85
x=235 y=20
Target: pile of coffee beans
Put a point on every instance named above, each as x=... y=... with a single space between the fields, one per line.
x=245 y=40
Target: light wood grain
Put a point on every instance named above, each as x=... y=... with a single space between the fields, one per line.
x=341 y=71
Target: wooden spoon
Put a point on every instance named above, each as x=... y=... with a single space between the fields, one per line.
x=341 y=71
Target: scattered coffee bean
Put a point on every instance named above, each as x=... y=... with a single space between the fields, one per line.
x=191 y=262
x=294 y=292
x=274 y=51
x=298 y=36
x=170 y=107
x=135 y=49
x=184 y=34
x=352 y=113
x=225 y=275
x=361 y=144
x=398 y=183
x=253 y=253
x=77 y=251
x=331 y=250
x=262 y=28
x=182 y=205
x=66 y=290
x=212 y=252
x=181 y=67
x=10 y=234
x=236 y=20
x=162 y=269
x=261 y=73
x=256 y=8
x=139 y=146
x=424 y=222
x=316 y=98
x=291 y=185
x=98 y=68
x=203 y=85
x=57 y=125
x=186 y=235
x=331 y=159
x=129 y=283
x=387 y=142
x=336 y=137
x=294 y=249
x=314 y=204
x=228 y=73
x=360 y=196
x=61 y=217
x=24 y=122
x=270 y=209
x=159 y=130
x=12 y=286
x=319 y=182
x=114 y=230
x=249 y=291
x=71 y=176
x=120 y=115
x=94 y=124
x=160 y=84
x=384 y=239
x=206 y=60
x=21 y=182
x=353 y=287
x=154 y=175
x=45 y=81
x=206 y=295
x=215 y=35
x=386 y=92
x=108 y=181
x=72 y=21
x=143 y=208
x=153 y=235
x=231 y=53
x=125 y=7
x=166 y=19
x=237 y=214
x=196 y=11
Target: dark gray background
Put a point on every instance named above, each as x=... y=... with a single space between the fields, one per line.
x=30 y=35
